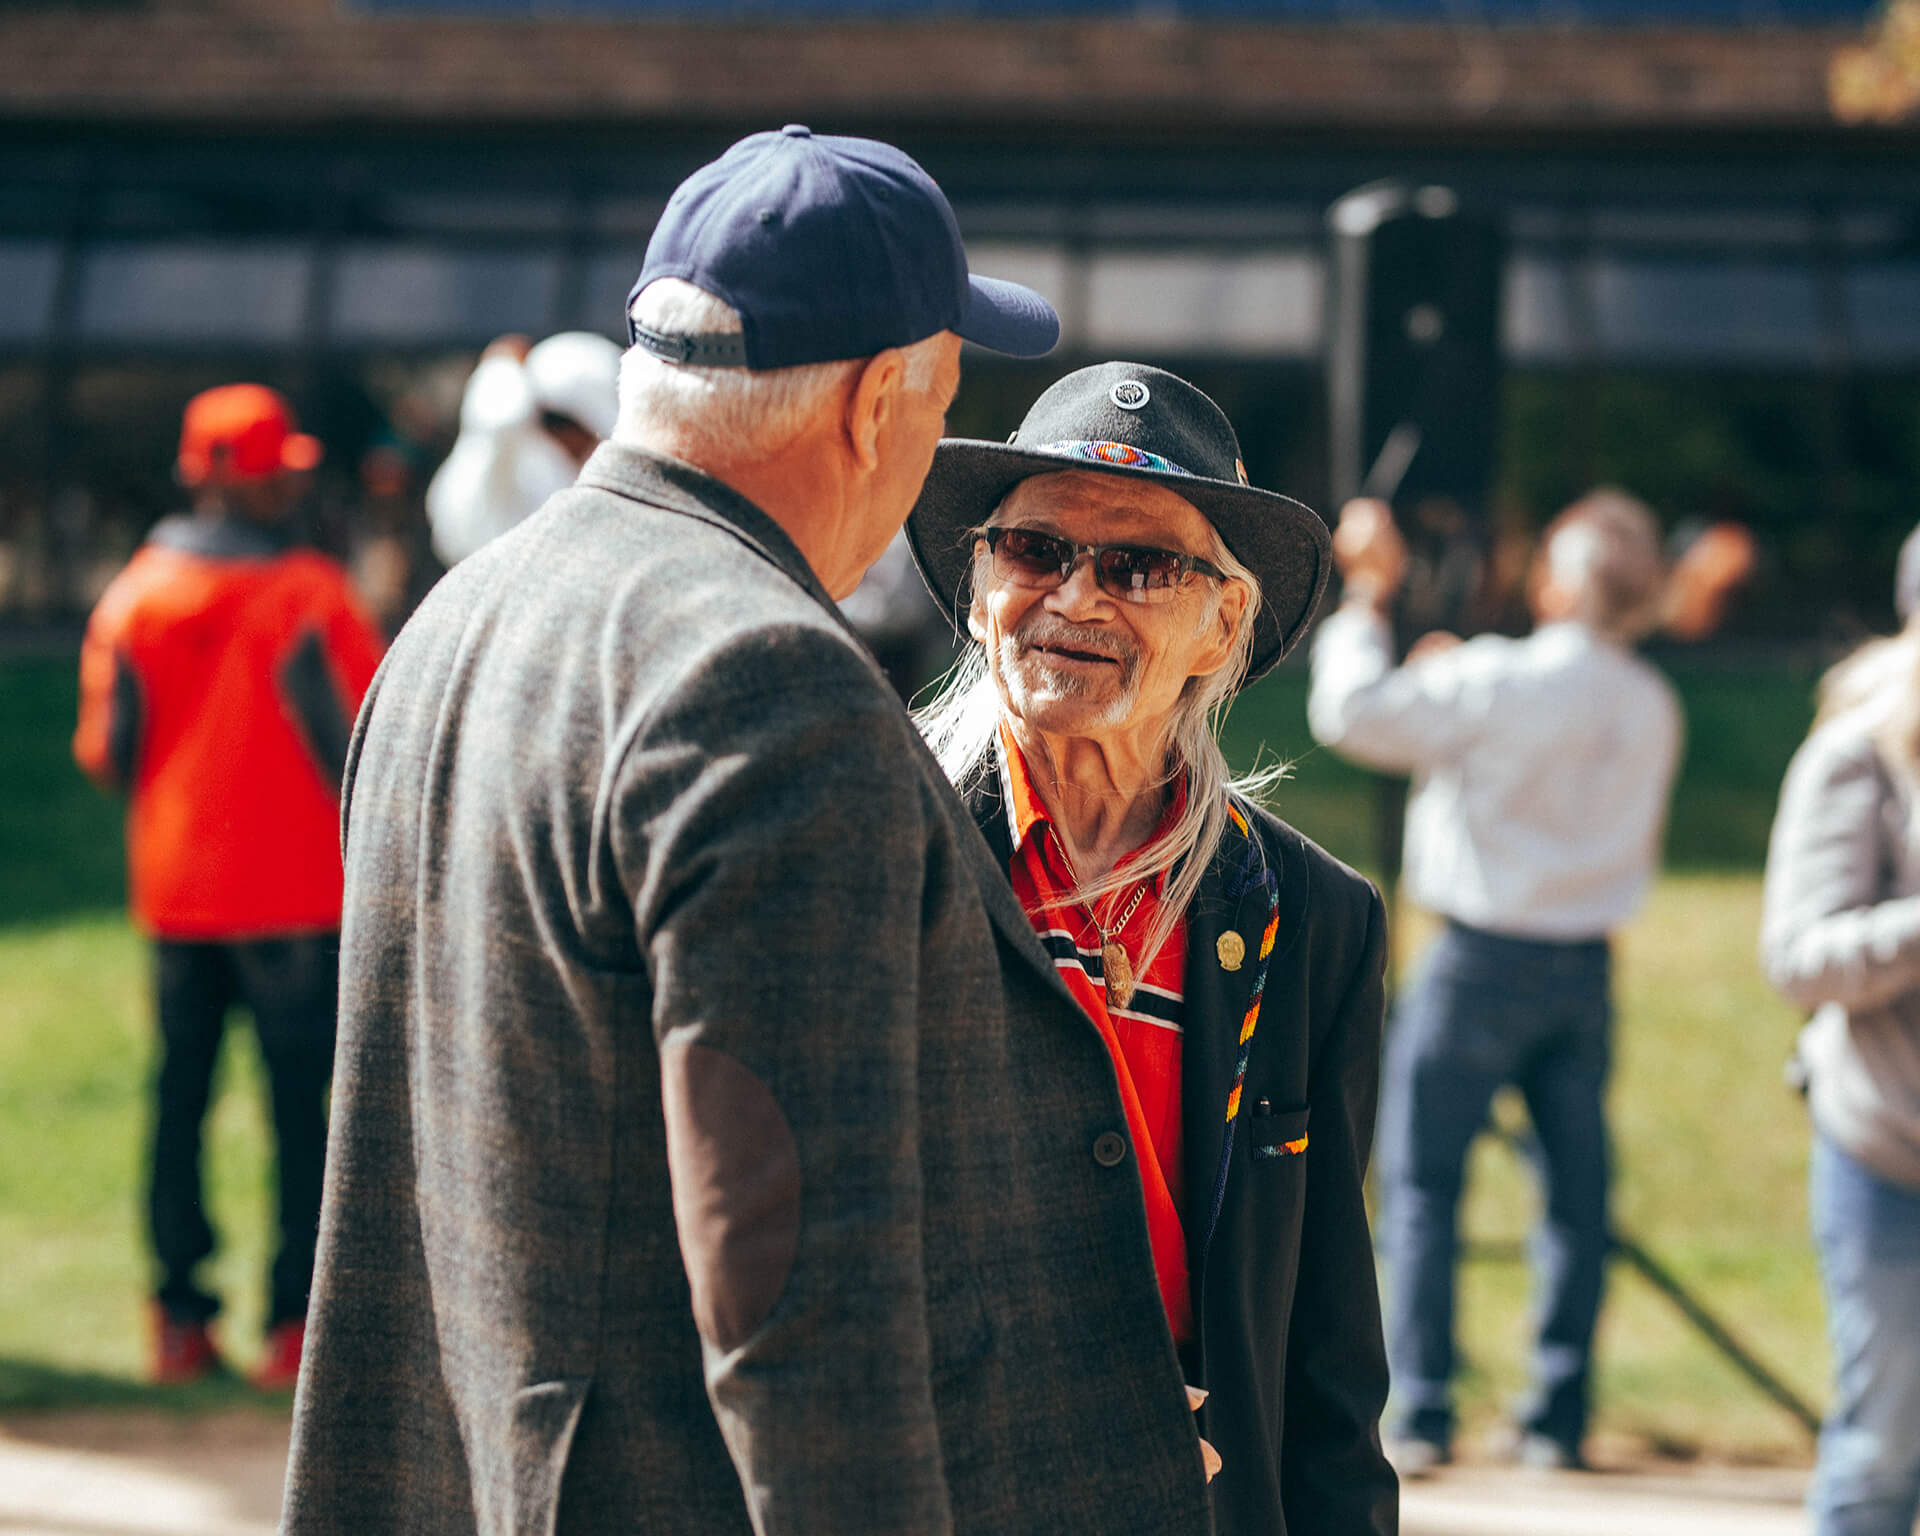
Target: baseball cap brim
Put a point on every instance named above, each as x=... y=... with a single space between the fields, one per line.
x=1008 y=317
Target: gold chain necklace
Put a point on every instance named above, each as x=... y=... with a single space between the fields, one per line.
x=1114 y=964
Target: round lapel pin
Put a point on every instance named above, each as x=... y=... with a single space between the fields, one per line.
x=1232 y=950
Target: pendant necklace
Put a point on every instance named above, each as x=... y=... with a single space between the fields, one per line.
x=1114 y=964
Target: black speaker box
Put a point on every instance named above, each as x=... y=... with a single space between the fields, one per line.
x=1413 y=345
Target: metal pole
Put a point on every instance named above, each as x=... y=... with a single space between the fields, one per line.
x=1688 y=1305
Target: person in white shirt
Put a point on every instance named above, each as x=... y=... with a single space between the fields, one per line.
x=1541 y=769
x=531 y=415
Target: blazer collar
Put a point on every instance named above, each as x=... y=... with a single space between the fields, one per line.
x=984 y=803
x=679 y=487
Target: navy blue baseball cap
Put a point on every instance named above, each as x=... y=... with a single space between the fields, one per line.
x=830 y=248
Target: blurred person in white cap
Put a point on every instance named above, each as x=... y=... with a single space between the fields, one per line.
x=531 y=417
x=1541 y=769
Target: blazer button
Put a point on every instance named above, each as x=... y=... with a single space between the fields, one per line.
x=1109 y=1149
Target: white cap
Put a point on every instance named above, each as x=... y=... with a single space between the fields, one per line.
x=578 y=374
x=504 y=466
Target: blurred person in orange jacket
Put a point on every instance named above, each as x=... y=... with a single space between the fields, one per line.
x=219 y=680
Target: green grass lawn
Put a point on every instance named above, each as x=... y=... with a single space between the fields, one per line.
x=1711 y=1148
x=75 y=1053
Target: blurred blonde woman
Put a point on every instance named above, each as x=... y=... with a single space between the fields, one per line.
x=1841 y=937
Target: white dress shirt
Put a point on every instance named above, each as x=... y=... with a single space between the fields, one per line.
x=1540 y=768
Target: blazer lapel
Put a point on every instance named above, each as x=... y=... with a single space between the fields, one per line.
x=663 y=482
x=992 y=853
x=1229 y=942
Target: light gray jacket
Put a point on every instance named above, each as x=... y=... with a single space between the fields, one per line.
x=1841 y=937
x=660 y=919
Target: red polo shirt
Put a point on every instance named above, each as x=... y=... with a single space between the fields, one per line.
x=1144 y=1038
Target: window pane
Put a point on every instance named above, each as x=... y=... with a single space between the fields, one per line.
x=29 y=270
x=1883 y=305
x=419 y=293
x=193 y=292
x=1739 y=311
x=1188 y=302
x=603 y=302
x=1537 y=311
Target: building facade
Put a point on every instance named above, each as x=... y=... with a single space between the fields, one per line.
x=1711 y=290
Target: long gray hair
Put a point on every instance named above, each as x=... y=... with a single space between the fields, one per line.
x=1883 y=675
x=961 y=725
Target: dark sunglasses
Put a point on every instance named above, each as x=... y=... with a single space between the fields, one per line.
x=1136 y=573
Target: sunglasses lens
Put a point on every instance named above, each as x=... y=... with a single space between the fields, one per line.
x=1142 y=575
x=1024 y=556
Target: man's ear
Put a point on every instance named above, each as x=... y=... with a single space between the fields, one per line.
x=871 y=402
x=977 y=613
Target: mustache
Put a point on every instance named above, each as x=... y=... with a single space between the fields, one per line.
x=1049 y=632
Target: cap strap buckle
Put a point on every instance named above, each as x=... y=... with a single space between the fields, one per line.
x=715 y=349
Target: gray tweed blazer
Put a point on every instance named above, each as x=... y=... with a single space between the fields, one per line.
x=660 y=920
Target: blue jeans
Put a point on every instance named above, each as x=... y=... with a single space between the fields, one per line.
x=1867 y=1481
x=1482 y=1011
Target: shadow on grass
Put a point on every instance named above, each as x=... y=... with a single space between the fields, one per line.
x=32 y=1387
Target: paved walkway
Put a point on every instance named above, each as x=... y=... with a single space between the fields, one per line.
x=144 y=1474
x=1500 y=1501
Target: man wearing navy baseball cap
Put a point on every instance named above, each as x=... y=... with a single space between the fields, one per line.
x=715 y=1148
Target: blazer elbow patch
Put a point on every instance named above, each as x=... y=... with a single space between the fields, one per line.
x=736 y=1189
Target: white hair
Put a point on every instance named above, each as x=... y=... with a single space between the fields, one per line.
x=1605 y=549
x=727 y=413
x=961 y=725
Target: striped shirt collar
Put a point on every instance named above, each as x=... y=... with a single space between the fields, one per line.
x=1025 y=811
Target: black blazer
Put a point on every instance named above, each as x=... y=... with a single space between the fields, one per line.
x=1278 y=1129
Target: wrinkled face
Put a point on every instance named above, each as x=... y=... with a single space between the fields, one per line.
x=1077 y=660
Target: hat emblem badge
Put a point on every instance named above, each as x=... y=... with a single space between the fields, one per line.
x=1129 y=394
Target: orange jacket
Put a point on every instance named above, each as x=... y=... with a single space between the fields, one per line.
x=219 y=679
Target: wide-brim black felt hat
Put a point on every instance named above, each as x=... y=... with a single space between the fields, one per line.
x=1142 y=423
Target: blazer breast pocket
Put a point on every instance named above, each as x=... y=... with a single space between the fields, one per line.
x=1277 y=1133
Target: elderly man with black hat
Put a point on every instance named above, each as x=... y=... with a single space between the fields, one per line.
x=716 y=1148
x=1122 y=581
